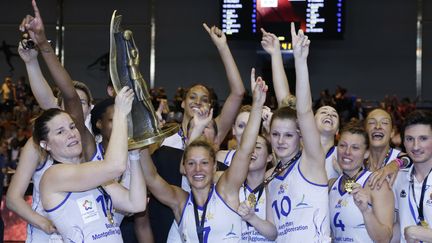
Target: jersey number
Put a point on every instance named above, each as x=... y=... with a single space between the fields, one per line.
x=285 y=207
x=100 y=199
x=338 y=223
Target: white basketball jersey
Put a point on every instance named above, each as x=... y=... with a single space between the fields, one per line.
x=393 y=153
x=82 y=217
x=300 y=207
x=248 y=232
x=34 y=234
x=222 y=224
x=347 y=222
x=229 y=157
x=406 y=205
x=124 y=180
x=330 y=170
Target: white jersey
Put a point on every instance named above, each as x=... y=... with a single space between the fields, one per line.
x=347 y=222
x=300 y=207
x=406 y=205
x=330 y=170
x=34 y=234
x=222 y=224
x=393 y=153
x=229 y=157
x=124 y=180
x=82 y=217
x=248 y=232
x=175 y=141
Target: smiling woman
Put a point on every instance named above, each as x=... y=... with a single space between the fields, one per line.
x=358 y=213
x=379 y=126
x=208 y=212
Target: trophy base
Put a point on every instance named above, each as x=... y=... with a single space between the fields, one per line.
x=140 y=142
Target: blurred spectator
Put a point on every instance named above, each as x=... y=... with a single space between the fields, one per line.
x=343 y=104
x=8 y=94
x=178 y=99
x=21 y=114
x=22 y=89
x=325 y=99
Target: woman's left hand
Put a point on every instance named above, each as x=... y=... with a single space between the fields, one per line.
x=361 y=198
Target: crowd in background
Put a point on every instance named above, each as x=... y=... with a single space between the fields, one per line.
x=18 y=107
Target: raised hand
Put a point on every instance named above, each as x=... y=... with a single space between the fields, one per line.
x=217 y=35
x=124 y=99
x=300 y=43
x=34 y=26
x=27 y=55
x=266 y=118
x=203 y=117
x=270 y=42
x=259 y=92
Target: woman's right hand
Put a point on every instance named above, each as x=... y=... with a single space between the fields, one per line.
x=47 y=226
x=245 y=211
x=123 y=100
x=270 y=42
x=34 y=26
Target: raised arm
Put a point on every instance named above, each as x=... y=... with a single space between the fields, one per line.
x=28 y=162
x=39 y=86
x=232 y=104
x=313 y=162
x=271 y=45
x=172 y=196
x=35 y=27
x=134 y=199
x=86 y=176
x=231 y=181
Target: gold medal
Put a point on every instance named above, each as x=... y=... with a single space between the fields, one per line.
x=252 y=200
x=349 y=185
x=424 y=224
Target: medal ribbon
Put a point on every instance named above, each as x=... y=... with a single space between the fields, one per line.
x=279 y=168
x=422 y=194
x=200 y=223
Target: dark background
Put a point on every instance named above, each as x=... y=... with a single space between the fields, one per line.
x=376 y=57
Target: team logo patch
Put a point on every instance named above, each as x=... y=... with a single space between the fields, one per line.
x=88 y=209
x=231 y=234
x=403 y=194
x=429 y=201
x=282 y=188
x=341 y=203
x=302 y=204
x=87 y=205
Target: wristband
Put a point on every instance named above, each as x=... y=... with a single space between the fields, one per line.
x=399 y=162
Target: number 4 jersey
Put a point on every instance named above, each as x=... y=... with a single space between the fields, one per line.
x=346 y=219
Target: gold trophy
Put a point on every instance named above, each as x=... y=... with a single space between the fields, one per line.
x=143 y=128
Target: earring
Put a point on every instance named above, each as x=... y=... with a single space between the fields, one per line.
x=42 y=145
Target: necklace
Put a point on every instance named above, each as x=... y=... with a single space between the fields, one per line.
x=382 y=164
x=349 y=182
x=280 y=167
